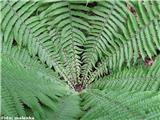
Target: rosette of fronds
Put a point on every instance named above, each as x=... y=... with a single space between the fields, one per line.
x=81 y=60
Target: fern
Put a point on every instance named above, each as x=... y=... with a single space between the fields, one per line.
x=80 y=60
x=120 y=105
x=32 y=81
x=138 y=78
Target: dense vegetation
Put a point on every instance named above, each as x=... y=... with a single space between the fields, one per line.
x=81 y=60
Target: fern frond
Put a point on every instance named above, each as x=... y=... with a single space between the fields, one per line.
x=139 y=78
x=108 y=16
x=68 y=108
x=15 y=77
x=120 y=105
x=31 y=33
x=71 y=25
x=138 y=39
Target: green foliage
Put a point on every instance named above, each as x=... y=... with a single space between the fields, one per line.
x=30 y=87
x=52 y=49
x=120 y=105
x=137 y=78
x=67 y=109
